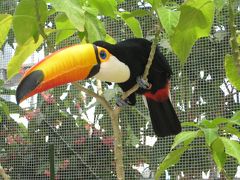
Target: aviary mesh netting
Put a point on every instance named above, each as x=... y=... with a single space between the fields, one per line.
x=80 y=128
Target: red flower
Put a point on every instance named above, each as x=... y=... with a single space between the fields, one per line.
x=48 y=98
x=29 y=115
x=97 y=132
x=22 y=71
x=77 y=105
x=64 y=164
x=47 y=173
x=80 y=141
x=19 y=139
x=10 y=139
x=88 y=127
x=108 y=141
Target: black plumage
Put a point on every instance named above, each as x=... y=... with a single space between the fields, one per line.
x=134 y=53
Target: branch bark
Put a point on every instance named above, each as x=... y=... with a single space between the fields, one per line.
x=3 y=174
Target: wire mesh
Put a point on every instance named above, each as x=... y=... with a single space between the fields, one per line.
x=80 y=128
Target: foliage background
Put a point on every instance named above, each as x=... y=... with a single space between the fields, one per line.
x=199 y=90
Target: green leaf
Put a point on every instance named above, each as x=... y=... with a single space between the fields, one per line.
x=5 y=24
x=219 y=4
x=155 y=3
x=183 y=137
x=133 y=24
x=235 y=119
x=132 y=139
x=219 y=120
x=238 y=39
x=207 y=124
x=64 y=27
x=21 y=54
x=94 y=27
x=136 y=13
x=168 y=18
x=4 y=107
x=189 y=124
x=25 y=21
x=231 y=130
x=1 y=83
x=110 y=39
x=231 y=148
x=106 y=7
x=74 y=11
x=218 y=153
x=211 y=134
x=195 y=21
x=232 y=71
x=172 y=158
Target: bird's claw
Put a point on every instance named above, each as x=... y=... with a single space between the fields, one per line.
x=122 y=102
x=143 y=83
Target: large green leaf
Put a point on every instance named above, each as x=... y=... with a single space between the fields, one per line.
x=132 y=23
x=211 y=134
x=235 y=119
x=5 y=108
x=185 y=136
x=232 y=71
x=64 y=27
x=218 y=153
x=172 y=158
x=231 y=130
x=219 y=4
x=231 y=148
x=94 y=27
x=25 y=20
x=74 y=11
x=168 y=18
x=21 y=54
x=155 y=3
x=5 y=24
x=195 y=22
x=106 y=7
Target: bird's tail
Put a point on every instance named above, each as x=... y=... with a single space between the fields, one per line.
x=164 y=118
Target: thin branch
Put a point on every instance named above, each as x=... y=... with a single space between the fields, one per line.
x=3 y=174
x=99 y=98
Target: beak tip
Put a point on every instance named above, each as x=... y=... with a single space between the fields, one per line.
x=28 y=84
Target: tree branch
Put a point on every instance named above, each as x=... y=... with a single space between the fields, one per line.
x=3 y=174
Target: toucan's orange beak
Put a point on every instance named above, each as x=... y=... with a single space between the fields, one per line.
x=70 y=64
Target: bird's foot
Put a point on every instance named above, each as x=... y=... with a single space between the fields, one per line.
x=143 y=83
x=122 y=102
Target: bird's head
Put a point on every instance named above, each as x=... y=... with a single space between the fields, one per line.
x=71 y=64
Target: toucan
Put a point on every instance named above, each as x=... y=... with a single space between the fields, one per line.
x=122 y=63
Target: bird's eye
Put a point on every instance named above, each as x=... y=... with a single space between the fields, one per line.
x=103 y=54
